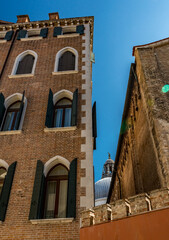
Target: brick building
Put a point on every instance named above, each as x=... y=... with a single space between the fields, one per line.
x=46 y=137
x=138 y=200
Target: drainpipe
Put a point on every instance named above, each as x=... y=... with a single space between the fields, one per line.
x=4 y=65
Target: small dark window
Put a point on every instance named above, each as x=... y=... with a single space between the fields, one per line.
x=11 y=117
x=3 y=173
x=56 y=192
x=25 y=64
x=62 y=114
x=67 y=61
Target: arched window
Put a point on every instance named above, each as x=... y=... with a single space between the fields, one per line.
x=25 y=65
x=66 y=61
x=12 y=117
x=62 y=114
x=3 y=173
x=56 y=192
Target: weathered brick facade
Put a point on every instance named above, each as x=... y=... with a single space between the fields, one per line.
x=32 y=143
x=143 y=153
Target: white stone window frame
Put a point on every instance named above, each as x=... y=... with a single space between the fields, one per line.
x=55 y=161
x=18 y=59
x=59 y=54
x=4 y=164
x=8 y=101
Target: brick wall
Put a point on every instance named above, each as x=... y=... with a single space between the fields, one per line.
x=33 y=143
x=124 y=208
x=144 y=153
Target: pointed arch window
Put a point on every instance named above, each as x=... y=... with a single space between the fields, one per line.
x=3 y=173
x=67 y=61
x=56 y=192
x=25 y=64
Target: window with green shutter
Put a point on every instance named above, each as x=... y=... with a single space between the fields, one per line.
x=94 y=125
x=6 y=189
x=54 y=196
x=63 y=113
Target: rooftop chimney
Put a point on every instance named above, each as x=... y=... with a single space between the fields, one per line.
x=23 y=18
x=54 y=16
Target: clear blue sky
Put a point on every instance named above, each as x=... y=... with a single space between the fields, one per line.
x=118 y=26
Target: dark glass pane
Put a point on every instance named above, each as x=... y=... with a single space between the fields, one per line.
x=25 y=65
x=8 y=121
x=58 y=171
x=67 y=121
x=58 y=117
x=67 y=62
x=62 y=199
x=50 y=199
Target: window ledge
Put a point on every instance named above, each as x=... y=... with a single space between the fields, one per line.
x=64 y=72
x=11 y=132
x=68 y=35
x=3 y=41
x=21 y=75
x=31 y=38
x=52 y=221
x=60 y=129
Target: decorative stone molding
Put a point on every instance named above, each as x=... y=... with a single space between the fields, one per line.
x=64 y=72
x=54 y=161
x=3 y=133
x=52 y=221
x=21 y=75
x=60 y=129
x=138 y=204
x=4 y=164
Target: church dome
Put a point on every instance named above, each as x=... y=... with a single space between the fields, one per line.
x=102 y=187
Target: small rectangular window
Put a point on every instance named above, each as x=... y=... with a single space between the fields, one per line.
x=68 y=30
x=33 y=33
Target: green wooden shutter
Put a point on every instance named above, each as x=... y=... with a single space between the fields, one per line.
x=20 y=111
x=71 y=198
x=50 y=111
x=6 y=191
x=57 y=31
x=80 y=29
x=74 y=108
x=94 y=124
x=22 y=34
x=8 y=35
x=2 y=107
x=44 y=32
x=35 y=208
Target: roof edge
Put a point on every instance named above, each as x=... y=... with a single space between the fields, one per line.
x=153 y=44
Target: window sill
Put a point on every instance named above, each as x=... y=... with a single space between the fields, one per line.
x=21 y=75
x=31 y=38
x=11 y=132
x=68 y=35
x=52 y=221
x=3 y=41
x=64 y=72
x=60 y=129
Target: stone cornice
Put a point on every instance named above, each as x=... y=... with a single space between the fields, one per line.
x=51 y=23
